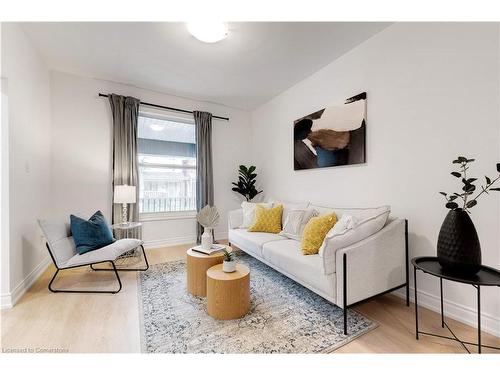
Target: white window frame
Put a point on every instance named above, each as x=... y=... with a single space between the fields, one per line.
x=172 y=215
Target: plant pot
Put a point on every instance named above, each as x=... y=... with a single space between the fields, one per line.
x=229 y=266
x=458 y=248
x=207 y=239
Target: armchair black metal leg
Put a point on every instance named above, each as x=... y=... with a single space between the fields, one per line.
x=85 y=291
x=344 y=259
x=127 y=269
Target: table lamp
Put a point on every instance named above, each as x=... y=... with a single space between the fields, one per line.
x=124 y=194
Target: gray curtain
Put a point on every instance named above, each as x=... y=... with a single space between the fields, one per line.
x=204 y=171
x=125 y=112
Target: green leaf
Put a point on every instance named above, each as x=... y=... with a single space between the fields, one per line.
x=462 y=159
x=470 y=160
x=495 y=189
x=471 y=180
x=498 y=167
x=443 y=193
x=456 y=174
x=453 y=197
x=488 y=180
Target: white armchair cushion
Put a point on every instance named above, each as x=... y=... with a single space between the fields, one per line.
x=58 y=236
x=106 y=253
x=249 y=212
x=347 y=235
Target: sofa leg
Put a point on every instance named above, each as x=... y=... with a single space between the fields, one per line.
x=407 y=268
x=344 y=260
x=345 y=320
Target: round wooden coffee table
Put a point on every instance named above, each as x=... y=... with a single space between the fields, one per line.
x=228 y=294
x=197 y=266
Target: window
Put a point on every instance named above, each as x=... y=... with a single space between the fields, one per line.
x=167 y=164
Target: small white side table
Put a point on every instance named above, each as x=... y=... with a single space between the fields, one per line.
x=127 y=230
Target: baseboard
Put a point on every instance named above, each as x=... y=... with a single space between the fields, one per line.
x=453 y=310
x=5 y=301
x=8 y=300
x=178 y=241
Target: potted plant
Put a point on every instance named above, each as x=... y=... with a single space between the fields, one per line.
x=208 y=217
x=246 y=183
x=458 y=247
x=229 y=264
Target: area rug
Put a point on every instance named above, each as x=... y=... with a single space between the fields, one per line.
x=285 y=317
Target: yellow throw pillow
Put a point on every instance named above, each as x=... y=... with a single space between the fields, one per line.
x=267 y=219
x=315 y=232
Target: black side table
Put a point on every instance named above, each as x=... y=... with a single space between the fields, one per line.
x=487 y=276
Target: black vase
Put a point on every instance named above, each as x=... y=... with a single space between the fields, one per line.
x=458 y=248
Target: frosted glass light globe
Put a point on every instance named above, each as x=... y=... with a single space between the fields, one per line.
x=208 y=32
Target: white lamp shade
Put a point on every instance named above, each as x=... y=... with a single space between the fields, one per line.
x=124 y=194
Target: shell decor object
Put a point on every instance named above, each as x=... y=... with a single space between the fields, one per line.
x=208 y=217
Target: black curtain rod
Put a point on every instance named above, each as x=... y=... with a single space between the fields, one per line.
x=170 y=108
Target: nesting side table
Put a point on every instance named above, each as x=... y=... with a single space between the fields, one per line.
x=487 y=276
x=197 y=266
x=228 y=294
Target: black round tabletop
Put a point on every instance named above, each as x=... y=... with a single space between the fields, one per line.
x=486 y=276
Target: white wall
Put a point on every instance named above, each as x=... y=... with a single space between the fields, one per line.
x=433 y=94
x=4 y=197
x=81 y=152
x=29 y=161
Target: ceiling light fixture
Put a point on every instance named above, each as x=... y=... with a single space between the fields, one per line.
x=208 y=32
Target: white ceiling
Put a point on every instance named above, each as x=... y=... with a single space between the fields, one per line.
x=257 y=61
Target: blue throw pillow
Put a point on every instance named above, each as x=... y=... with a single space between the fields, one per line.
x=91 y=234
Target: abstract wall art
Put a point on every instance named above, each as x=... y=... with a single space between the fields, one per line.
x=333 y=136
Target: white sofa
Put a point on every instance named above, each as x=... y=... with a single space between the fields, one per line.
x=344 y=272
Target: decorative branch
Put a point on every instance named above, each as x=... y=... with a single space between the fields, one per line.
x=469 y=188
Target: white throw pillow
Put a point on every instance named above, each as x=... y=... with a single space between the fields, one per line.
x=345 y=222
x=287 y=207
x=295 y=223
x=249 y=212
x=346 y=236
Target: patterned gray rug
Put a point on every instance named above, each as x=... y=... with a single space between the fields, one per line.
x=285 y=317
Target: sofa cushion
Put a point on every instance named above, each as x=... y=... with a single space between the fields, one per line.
x=315 y=232
x=335 y=240
x=296 y=221
x=251 y=242
x=358 y=213
x=286 y=255
x=267 y=219
x=249 y=212
x=287 y=207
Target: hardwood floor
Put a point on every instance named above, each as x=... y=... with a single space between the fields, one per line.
x=110 y=323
